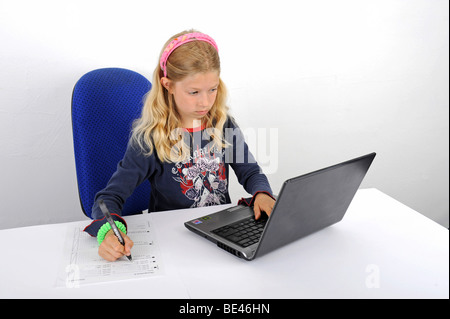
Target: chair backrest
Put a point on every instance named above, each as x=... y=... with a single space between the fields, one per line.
x=104 y=104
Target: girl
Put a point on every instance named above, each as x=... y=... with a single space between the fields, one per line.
x=183 y=143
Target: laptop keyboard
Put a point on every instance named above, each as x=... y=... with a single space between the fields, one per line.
x=244 y=233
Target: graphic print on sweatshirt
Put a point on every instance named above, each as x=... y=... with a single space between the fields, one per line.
x=203 y=178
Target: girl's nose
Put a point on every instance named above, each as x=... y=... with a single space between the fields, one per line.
x=203 y=100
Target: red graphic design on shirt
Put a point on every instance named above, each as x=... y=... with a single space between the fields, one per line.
x=202 y=179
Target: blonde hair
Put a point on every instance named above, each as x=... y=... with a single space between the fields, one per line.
x=158 y=129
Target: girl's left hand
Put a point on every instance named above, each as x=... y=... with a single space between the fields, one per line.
x=263 y=203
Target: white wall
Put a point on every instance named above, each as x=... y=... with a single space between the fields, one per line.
x=338 y=79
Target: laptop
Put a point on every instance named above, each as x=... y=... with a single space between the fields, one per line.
x=306 y=204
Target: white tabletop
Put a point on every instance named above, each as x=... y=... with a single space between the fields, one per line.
x=381 y=249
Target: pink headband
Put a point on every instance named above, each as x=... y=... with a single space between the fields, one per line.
x=185 y=38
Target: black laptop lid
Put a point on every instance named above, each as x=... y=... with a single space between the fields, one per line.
x=312 y=202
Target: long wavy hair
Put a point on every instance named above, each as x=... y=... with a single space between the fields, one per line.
x=159 y=127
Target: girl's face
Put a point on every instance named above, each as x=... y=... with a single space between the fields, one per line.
x=194 y=96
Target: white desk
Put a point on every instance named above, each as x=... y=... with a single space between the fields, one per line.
x=381 y=249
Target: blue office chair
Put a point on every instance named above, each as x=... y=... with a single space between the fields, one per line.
x=104 y=104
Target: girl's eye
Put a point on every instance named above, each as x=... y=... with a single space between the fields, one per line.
x=214 y=90
x=193 y=92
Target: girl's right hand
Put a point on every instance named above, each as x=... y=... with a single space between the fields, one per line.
x=111 y=249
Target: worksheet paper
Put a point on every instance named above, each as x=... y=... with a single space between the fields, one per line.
x=82 y=264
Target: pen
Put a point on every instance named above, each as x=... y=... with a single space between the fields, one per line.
x=116 y=231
